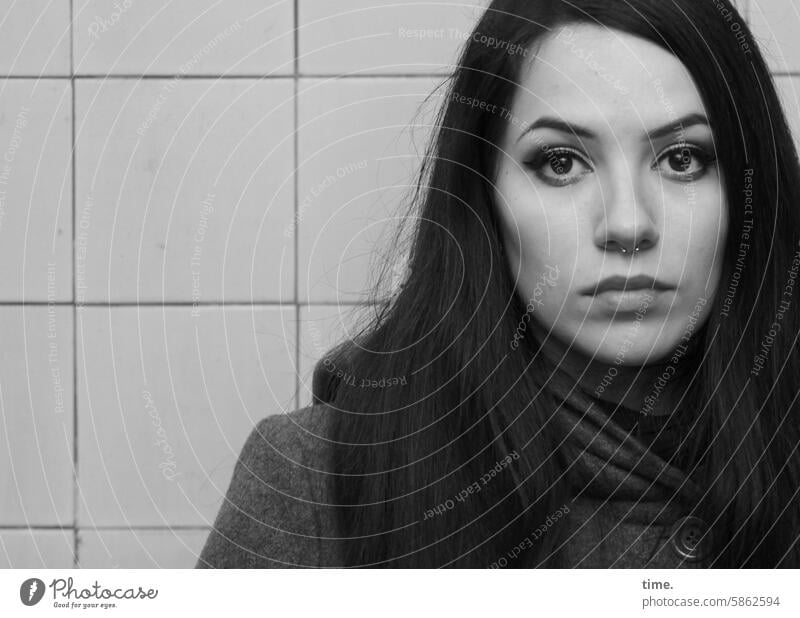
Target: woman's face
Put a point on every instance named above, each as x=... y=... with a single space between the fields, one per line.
x=607 y=147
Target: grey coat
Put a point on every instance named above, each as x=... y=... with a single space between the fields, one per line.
x=276 y=512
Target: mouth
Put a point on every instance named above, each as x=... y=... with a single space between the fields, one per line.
x=642 y=300
x=620 y=284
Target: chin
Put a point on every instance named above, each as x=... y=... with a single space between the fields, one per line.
x=635 y=356
x=622 y=350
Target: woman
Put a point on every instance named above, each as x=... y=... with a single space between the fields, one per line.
x=590 y=362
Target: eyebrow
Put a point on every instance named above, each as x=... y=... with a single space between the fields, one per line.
x=680 y=124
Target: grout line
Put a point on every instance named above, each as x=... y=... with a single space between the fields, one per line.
x=295 y=83
x=187 y=303
x=183 y=76
x=295 y=75
x=373 y=75
x=36 y=77
x=35 y=303
x=54 y=527
x=42 y=527
x=186 y=528
x=75 y=494
x=146 y=76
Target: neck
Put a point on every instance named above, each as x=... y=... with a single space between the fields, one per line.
x=652 y=389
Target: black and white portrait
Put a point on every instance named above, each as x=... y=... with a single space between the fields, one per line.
x=460 y=284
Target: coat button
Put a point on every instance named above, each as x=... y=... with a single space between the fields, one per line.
x=688 y=538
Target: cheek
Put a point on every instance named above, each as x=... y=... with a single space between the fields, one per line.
x=695 y=231
x=542 y=241
x=521 y=218
x=540 y=250
x=538 y=222
x=694 y=219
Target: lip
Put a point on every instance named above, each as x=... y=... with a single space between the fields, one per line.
x=626 y=284
x=617 y=301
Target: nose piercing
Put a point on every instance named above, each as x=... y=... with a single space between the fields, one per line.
x=624 y=250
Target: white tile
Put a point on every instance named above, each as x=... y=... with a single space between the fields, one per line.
x=36 y=405
x=198 y=37
x=35 y=189
x=186 y=187
x=775 y=25
x=383 y=36
x=789 y=91
x=36 y=549
x=359 y=149
x=34 y=37
x=321 y=328
x=166 y=401
x=140 y=549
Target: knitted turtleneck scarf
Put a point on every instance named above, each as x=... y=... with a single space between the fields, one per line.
x=618 y=467
x=614 y=445
x=661 y=428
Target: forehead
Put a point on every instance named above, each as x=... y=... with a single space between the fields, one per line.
x=582 y=71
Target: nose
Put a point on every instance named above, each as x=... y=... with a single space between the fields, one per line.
x=626 y=218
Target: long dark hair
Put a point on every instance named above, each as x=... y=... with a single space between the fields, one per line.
x=446 y=400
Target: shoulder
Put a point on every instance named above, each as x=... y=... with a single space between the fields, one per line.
x=277 y=504
x=283 y=448
x=307 y=425
x=292 y=440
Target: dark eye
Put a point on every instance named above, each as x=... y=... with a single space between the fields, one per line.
x=559 y=166
x=684 y=162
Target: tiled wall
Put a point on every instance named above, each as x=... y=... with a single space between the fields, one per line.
x=186 y=222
